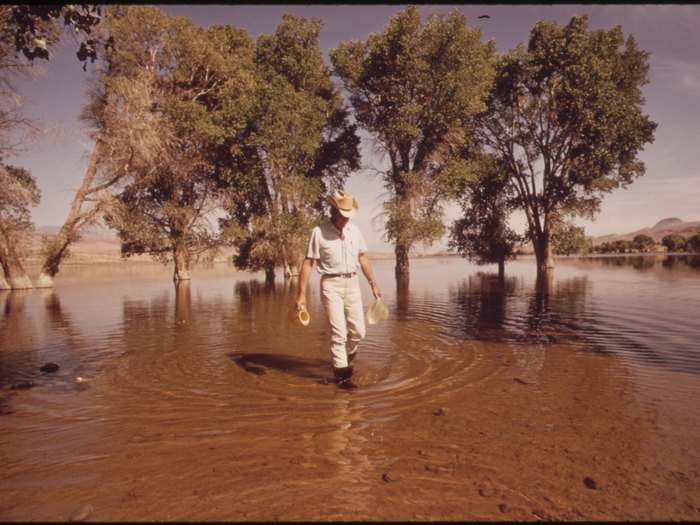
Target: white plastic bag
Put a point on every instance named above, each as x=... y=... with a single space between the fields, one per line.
x=377 y=312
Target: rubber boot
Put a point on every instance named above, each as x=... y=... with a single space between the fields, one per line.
x=343 y=378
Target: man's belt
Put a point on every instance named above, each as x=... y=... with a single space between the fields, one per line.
x=346 y=275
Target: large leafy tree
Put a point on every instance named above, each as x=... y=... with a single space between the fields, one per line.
x=170 y=98
x=565 y=115
x=415 y=87
x=300 y=146
x=643 y=243
x=674 y=242
x=482 y=233
x=569 y=239
x=18 y=192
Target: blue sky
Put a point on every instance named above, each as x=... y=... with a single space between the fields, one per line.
x=671 y=186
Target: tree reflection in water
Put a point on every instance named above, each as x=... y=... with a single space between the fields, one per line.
x=502 y=310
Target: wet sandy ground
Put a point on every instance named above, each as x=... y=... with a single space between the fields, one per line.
x=518 y=445
x=194 y=409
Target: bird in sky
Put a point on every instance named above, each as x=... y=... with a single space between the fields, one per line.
x=483 y=16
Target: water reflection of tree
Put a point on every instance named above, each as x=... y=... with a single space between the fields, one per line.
x=482 y=299
x=681 y=261
x=18 y=360
x=492 y=309
x=555 y=311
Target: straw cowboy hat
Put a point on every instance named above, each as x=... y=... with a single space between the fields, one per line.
x=345 y=203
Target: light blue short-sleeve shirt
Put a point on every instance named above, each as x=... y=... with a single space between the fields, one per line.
x=333 y=254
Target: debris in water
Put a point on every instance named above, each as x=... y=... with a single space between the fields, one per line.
x=49 y=368
x=439 y=412
x=590 y=483
x=521 y=381
x=387 y=478
x=503 y=507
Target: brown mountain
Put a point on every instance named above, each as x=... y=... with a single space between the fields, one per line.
x=657 y=232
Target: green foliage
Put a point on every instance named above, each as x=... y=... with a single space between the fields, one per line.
x=416 y=87
x=173 y=104
x=693 y=243
x=36 y=27
x=674 y=242
x=18 y=193
x=569 y=239
x=565 y=116
x=643 y=243
x=482 y=233
x=301 y=146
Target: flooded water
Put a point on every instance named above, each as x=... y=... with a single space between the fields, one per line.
x=569 y=398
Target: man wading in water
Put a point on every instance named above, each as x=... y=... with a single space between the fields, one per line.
x=339 y=246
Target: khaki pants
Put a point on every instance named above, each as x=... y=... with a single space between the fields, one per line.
x=342 y=300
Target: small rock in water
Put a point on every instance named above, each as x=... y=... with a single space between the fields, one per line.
x=439 y=412
x=22 y=385
x=503 y=507
x=49 y=368
x=387 y=478
x=590 y=483
x=521 y=381
x=83 y=513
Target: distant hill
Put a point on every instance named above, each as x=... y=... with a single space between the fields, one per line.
x=657 y=232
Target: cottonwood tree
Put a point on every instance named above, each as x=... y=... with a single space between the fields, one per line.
x=28 y=32
x=643 y=243
x=415 y=87
x=693 y=243
x=173 y=94
x=18 y=192
x=674 y=242
x=565 y=116
x=482 y=233
x=300 y=147
x=18 y=189
x=569 y=239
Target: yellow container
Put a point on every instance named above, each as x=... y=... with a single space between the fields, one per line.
x=304 y=317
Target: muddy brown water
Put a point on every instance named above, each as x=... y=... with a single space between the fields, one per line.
x=574 y=398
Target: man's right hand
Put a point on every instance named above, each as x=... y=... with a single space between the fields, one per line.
x=301 y=302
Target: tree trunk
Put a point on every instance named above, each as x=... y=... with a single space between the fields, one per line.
x=402 y=265
x=4 y=285
x=543 y=253
x=182 y=302
x=501 y=268
x=270 y=274
x=403 y=294
x=293 y=267
x=68 y=232
x=181 y=257
x=16 y=277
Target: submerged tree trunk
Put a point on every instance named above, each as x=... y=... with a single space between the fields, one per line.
x=181 y=258
x=270 y=274
x=501 y=268
x=402 y=265
x=543 y=253
x=4 y=285
x=58 y=248
x=182 y=302
x=15 y=275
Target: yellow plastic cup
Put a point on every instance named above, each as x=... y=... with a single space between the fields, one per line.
x=304 y=317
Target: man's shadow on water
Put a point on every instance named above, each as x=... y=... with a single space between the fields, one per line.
x=304 y=367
